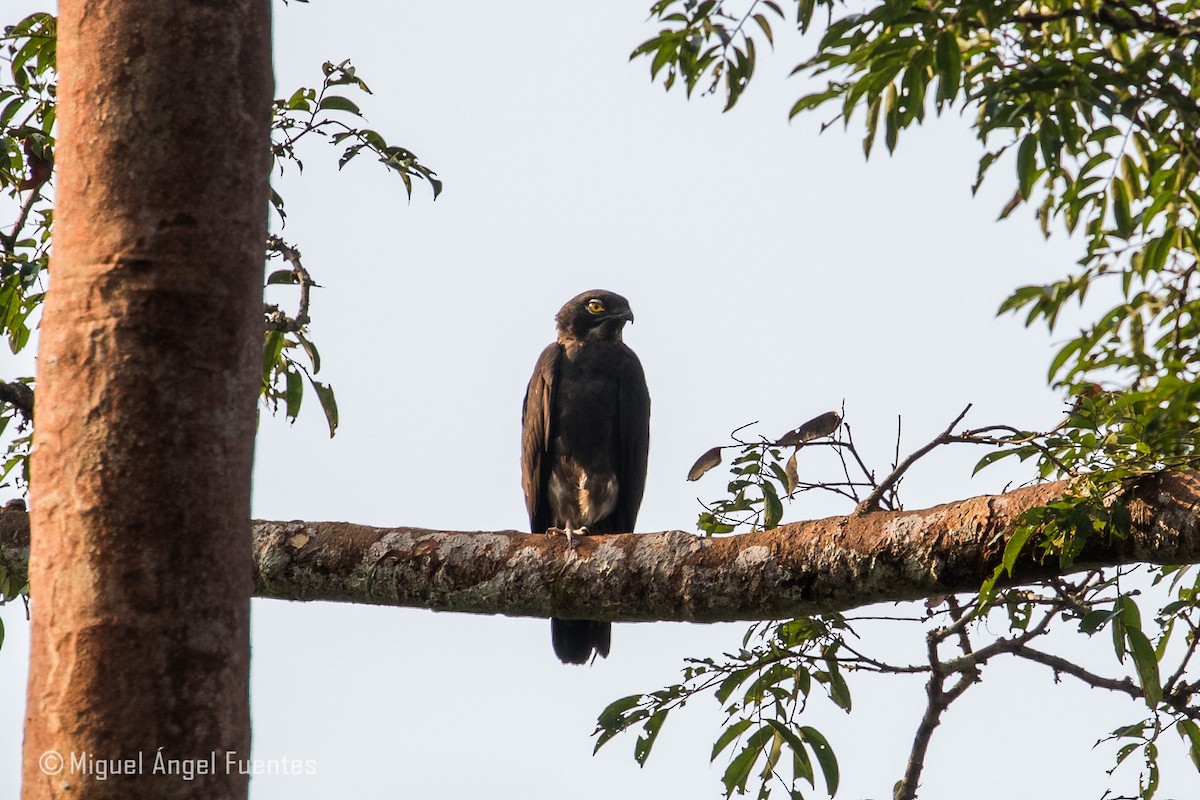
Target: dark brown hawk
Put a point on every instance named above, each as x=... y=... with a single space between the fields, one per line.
x=584 y=440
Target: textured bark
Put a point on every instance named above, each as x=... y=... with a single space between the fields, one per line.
x=149 y=359
x=805 y=567
x=19 y=395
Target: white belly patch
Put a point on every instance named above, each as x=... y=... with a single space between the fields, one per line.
x=582 y=500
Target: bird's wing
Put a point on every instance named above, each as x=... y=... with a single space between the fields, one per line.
x=634 y=434
x=535 y=437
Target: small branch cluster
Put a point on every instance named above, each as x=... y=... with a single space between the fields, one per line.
x=1094 y=508
x=278 y=320
x=312 y=112
x=1120 y=16
x=889 y=484
x=766 y=687
x=761 y=477
x=284 y=377
x=1095 y=602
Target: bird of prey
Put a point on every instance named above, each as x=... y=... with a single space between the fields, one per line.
x=584 y=440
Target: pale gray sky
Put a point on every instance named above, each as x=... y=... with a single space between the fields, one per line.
x=774 y=275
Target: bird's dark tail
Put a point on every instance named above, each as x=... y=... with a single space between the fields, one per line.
x=576 y=639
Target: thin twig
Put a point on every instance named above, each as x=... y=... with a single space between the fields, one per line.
x=893 y=499
x=958 y=613
x=978 y=436
x=1066 y=667
x=871 y=503
x=880 y=666
x=849 y=445
x=10 y=240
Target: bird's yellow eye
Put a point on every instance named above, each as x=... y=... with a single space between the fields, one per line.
x=595 y=306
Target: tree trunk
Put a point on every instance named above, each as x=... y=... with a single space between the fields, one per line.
x=148 y=365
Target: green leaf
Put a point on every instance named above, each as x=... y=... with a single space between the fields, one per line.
x=1027 y=165
x=825 y=757
x=1126 y=751
x=1014 y=545
x=730 y=733
x=328 y=404
x=839 y=690
x=645 y=742
x=271 y=355
x=872 y=125
x=1191 y=731
x=294 y=394
x=768 y=770
x=813 y=100
x=1155 y=253
x=992 y=458
x=277 y=204
x=891 y=120
x=1121 y=214
x=948 y=59
x=336 y=103
x=739 y=769
x=1021 y=297
x=614 y=719
x=1145 y=662
x=1068 y=350
x=761 y=19
x=731 y=683
x=310 y=349
x=791 y=737
x=772 y=506
x=610 y=717
x=771 y=676
x=1130 y=615
x=1093 y=621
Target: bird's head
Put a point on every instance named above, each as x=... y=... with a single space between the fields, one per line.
x=594 y=315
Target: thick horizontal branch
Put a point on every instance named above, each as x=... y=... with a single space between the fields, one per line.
x=1120 y=17
x=19 y=395
x=805 y=567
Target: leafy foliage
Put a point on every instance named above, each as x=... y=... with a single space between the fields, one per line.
x=761 y=479
x=763 y=689
x=319 y=112
x=753 y=499
x=703 y=40
x=27 y=113
x=1094 y=106
x=284 y=373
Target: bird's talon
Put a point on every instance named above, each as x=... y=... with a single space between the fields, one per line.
x=572 y=534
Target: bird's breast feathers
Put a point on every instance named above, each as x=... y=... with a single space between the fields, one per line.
x=579 y=497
